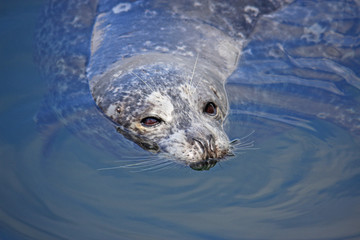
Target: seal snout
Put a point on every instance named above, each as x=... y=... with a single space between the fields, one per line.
x=209 y=153
x=206 y=147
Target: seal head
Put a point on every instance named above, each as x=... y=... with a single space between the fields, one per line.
x=169 y=106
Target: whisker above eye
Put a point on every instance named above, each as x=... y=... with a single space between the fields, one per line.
x=142 y=81
x=193 y=72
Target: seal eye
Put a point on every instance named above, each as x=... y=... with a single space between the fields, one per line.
x=150 y=121
x=210 y=109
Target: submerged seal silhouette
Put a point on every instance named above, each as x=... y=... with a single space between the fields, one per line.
x=157 y=69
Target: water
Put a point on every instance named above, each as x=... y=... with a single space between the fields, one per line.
x=300 y=93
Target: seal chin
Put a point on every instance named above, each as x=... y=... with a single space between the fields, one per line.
x=204 y=165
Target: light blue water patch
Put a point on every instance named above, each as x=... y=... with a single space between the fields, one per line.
x=295 y=98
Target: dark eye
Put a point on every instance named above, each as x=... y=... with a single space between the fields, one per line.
x=150 y=121
x=210 y=109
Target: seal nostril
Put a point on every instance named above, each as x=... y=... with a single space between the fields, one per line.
x=207 y=146
x=211 y=143
x=200 y=145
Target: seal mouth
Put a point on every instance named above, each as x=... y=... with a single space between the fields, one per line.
x=204 y=165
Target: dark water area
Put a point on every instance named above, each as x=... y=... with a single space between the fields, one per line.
x=296 y=94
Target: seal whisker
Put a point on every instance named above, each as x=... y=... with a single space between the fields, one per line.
x=152 y=80
x=194 y=89
x=246 y=148
x=110 y=168
x=243 y=144
x=143 y=163
x=243 y=151
x=157 y=167
x=131 y=165
x=251 y=133
x=193 y=72
x=239 y=140
x=142 y=81
x=136 y=165
x=230 y=154
x=137 y=159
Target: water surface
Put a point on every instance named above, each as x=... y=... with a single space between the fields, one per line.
x=296 y=90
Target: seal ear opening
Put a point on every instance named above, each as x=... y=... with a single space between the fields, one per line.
x=141 y=141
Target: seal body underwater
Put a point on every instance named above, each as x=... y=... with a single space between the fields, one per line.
x=155 y=69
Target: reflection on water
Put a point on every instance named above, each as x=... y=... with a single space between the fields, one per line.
x=297 y=86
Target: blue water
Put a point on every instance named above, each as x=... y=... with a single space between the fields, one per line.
x=296 y=94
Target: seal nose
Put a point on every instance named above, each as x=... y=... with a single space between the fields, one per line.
x=206 y=146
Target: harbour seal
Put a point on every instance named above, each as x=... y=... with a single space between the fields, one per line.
x=156 y=69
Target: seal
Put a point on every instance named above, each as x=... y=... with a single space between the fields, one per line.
x=169 y=101
x=157 y=69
